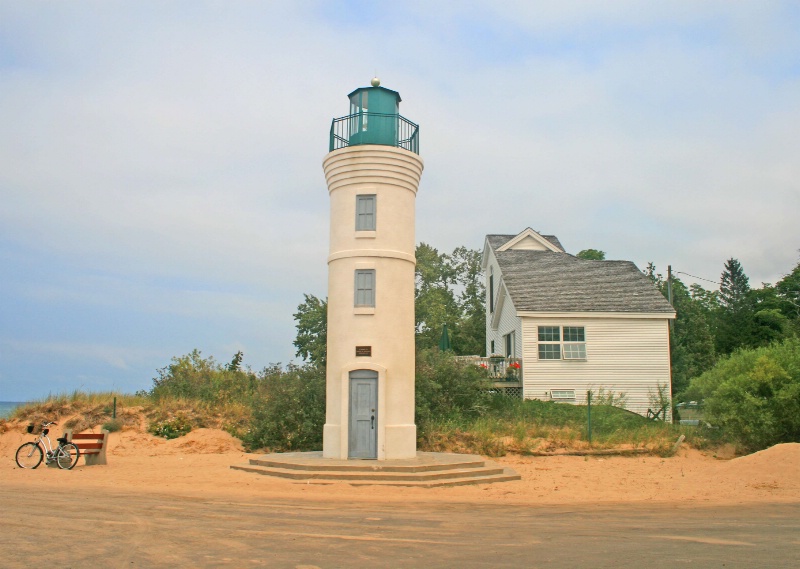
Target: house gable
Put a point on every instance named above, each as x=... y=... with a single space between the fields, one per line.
x=529 y=240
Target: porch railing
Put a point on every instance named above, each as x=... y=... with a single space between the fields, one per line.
x=499 y=368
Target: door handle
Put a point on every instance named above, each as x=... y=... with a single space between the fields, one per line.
x=373 y=421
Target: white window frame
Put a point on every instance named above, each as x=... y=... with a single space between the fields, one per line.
x=567 y=342
x=562 y=394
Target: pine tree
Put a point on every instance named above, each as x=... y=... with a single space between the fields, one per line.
x=736 y=309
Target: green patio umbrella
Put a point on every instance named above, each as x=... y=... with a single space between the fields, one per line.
x=444 y=343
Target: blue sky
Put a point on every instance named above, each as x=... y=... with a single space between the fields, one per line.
x=160 y=162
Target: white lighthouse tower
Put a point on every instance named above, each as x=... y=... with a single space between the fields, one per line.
x=372 y=171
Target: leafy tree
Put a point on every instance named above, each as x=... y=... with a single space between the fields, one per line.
x=788 y=292
x=312 y=330
x=450 y=290
x=470 y=333
x=434 y=303
x=656 y=278
x=692 y=340
x=592 y=255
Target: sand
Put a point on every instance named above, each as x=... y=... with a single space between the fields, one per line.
x=198 y=464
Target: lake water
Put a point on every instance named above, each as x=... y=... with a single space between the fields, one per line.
x=6 y=407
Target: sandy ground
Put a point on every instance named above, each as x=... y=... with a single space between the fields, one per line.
x=199 y=465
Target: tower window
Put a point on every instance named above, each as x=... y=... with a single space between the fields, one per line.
x=365 y=212
x=365 y=287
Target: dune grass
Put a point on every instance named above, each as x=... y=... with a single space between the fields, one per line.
x=281 y=409
x=533 y=427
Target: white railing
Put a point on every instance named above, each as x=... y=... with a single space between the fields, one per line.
x=499 y=367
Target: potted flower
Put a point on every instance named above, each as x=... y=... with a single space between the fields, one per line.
x=512 y=370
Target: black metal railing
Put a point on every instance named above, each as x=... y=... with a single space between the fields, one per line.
x=374 y=128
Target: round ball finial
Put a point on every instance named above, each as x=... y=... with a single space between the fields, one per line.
x=375 y=82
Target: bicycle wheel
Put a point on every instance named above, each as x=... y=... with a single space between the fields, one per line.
x=29 y=455
x=67 y=456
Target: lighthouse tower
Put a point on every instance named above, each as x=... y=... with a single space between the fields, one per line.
x=372 y=171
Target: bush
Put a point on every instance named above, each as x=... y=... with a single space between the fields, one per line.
x=194 y=377
x=288 y=412
x=753 y=396
x=171 y=428
x=113 y=426
x=447 y=389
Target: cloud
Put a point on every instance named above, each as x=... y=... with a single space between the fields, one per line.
x=161 y=163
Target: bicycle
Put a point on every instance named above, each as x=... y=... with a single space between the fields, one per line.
x=30 y=455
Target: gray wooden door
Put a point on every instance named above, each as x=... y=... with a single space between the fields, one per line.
x=363 y=435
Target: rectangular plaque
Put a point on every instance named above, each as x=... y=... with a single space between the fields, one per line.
x=363 y=351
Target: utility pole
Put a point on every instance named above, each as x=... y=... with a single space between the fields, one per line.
x=669 y=292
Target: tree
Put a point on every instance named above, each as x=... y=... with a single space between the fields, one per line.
x=788 y=291
x=434 y=300
x=692 y=340
x=450 y=290
x=312 y=330
x=592 y=255
x=236 y=362
x=470 y=334
x=734 y=321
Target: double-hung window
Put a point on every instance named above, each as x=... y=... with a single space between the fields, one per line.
x=574 y=343
x=365 y=212
x=365 y=287
x=562 y=342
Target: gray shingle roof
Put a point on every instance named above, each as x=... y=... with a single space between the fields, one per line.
x=543 y=281
x=496 y=241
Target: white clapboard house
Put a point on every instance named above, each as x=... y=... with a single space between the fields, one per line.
x=558 y=326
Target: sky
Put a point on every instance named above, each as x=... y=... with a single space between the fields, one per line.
x=161 y=175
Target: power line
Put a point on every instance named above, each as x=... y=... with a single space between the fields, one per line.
x=698 y=278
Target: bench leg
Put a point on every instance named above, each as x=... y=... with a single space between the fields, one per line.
x=95 y=459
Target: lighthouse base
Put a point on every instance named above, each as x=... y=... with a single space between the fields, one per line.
x=398 y=442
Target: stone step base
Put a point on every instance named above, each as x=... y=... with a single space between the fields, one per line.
x=426 y=470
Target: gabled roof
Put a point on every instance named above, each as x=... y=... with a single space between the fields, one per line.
x=497 y=241
x=549 y=281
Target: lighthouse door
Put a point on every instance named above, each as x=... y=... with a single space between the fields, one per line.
x=363 y=435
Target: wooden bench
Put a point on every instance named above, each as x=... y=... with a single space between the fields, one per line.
x=92 y=445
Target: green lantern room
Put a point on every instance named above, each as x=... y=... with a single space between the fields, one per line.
x=374 y=119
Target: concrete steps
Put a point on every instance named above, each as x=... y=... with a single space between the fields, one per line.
x=427 y=470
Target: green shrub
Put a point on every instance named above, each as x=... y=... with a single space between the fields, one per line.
x=447 y=389
x=753 y=396
x=288 y=411
x=194 y=377
x=113 y=425
x=171 y=428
